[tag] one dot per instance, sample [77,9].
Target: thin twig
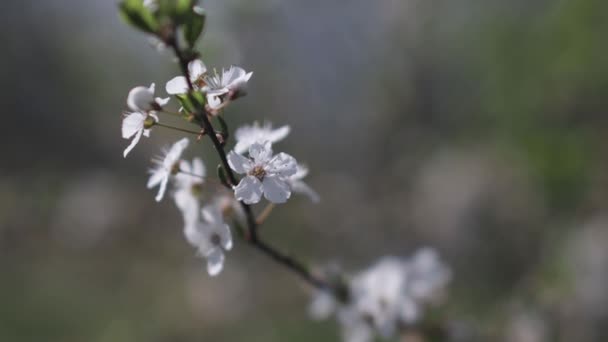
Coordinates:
[177,128]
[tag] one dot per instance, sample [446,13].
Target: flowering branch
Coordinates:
[385,299]
[252,236]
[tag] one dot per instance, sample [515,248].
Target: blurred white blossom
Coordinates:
[188,184]
[166,165]
[390,294]
[298,186]
[211,236]
[247,135]
[264,174]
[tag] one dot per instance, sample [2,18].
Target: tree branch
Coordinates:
[252,227]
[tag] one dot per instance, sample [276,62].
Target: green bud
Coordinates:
[137,15]
[149,122]
[194,25]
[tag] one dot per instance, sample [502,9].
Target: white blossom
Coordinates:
[188,183]
[379,294]
[264,174]
[179,85]
[142,99]
[354,326]
[134,125]
[298,186]
[166,165]
[249,134]
[388,295]
[233,81]
[211,236]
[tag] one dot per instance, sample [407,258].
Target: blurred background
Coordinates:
[476,127]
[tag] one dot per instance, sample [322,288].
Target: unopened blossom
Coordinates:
[231,82]
[142,99]
[136,124]
[298,186]
[179,85]
[188,184]
[211,236]
[166,166]
[264,174]
[249,134]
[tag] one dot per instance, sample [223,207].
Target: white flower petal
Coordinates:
[300,187]
[198,167]
[225,236]
[279,133]
[193,234]
[215,261]
[322,306]
[212,214]
[196,68]
[276,190]
[233,74]
[177,85]
[238,163]
[161,189]
[132,123]
[132,144]
[188,204]
[261,152]
[156,177]
[249,190]
[162,102]
[283,164]
[141,98]
[214,101]
[175,152]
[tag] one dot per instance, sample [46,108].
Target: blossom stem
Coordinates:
[170,112]
[177,128]
[265,213]
[251,233]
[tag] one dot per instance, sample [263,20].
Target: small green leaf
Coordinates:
[177,10]
[185,101]
[200,99]
[194,26]
[139,16]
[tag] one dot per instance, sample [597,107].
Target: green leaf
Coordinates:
[139,16]
[185,101]
[194,26]
[200,99]
[176,10]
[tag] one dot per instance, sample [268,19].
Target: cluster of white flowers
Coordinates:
[273,176]
[391,294]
